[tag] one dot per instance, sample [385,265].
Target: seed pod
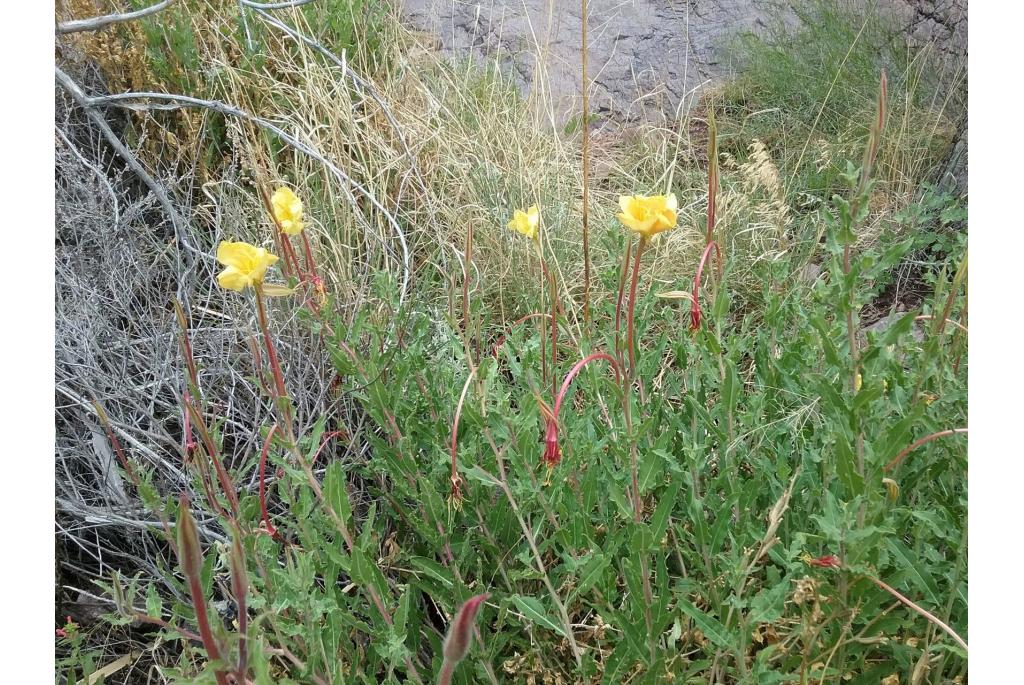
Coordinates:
[190,555]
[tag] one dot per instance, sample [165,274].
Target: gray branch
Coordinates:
[137,101]
[96,23]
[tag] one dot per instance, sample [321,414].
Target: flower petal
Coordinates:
[233,279]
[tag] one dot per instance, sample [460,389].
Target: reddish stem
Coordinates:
[323,443]
[576,369]
[310,262]
[275,365]
[289,253]
[917,443]
[618,300]
[712,180]
[191,562]
[695,312]
[190,443]
[925,613]
[127,466]
[211,449]
[263,484]
[631,343]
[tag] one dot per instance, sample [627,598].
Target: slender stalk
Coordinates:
[310,262]
[630,337]
[465,281]
[712,174]
[586,170]
[282,403]
[211,449]
[263,483]
[240,588]
[917,443]
[870,154]
[190,557]
[923,612]
[104,420]
[623,274]
[695,311]
[456,480]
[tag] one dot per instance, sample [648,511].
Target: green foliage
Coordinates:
[807,90]
[748,462]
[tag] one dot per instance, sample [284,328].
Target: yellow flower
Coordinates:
[648,216]
[246,265]
[287,210]
[526,222]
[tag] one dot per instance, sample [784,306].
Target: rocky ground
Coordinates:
[647,58]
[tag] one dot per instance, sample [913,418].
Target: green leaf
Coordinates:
[534,611]
[667,502]
[903,559]
[711,627]
[478,474]
[433,569]
[336,491]
[154,606]
[846,468]
[592,572]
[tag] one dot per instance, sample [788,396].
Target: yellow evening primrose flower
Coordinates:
[287,210]
[526,222]
[648,216]
[246,264]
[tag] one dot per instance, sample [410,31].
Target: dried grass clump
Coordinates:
[118,269]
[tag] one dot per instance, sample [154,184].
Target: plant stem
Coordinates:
[917,443]
[624,273]
[630,337]
[586,171]
[263,483]
[282,403]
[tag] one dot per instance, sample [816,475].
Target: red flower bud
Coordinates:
[828,561]
[552,452]
[456,644]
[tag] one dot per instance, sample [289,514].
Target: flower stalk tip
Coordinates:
[456,644]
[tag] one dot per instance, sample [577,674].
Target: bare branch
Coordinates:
[105,20]
[273,5]
[136,101]
[82,100]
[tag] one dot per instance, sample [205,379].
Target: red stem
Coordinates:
[618,300]
[289,252]
[310,262]
[632,305]
[695,313]
[211,449]
[263,484]
[576,369]
[196,590]
[323,443]
[917,443]
[275,365]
